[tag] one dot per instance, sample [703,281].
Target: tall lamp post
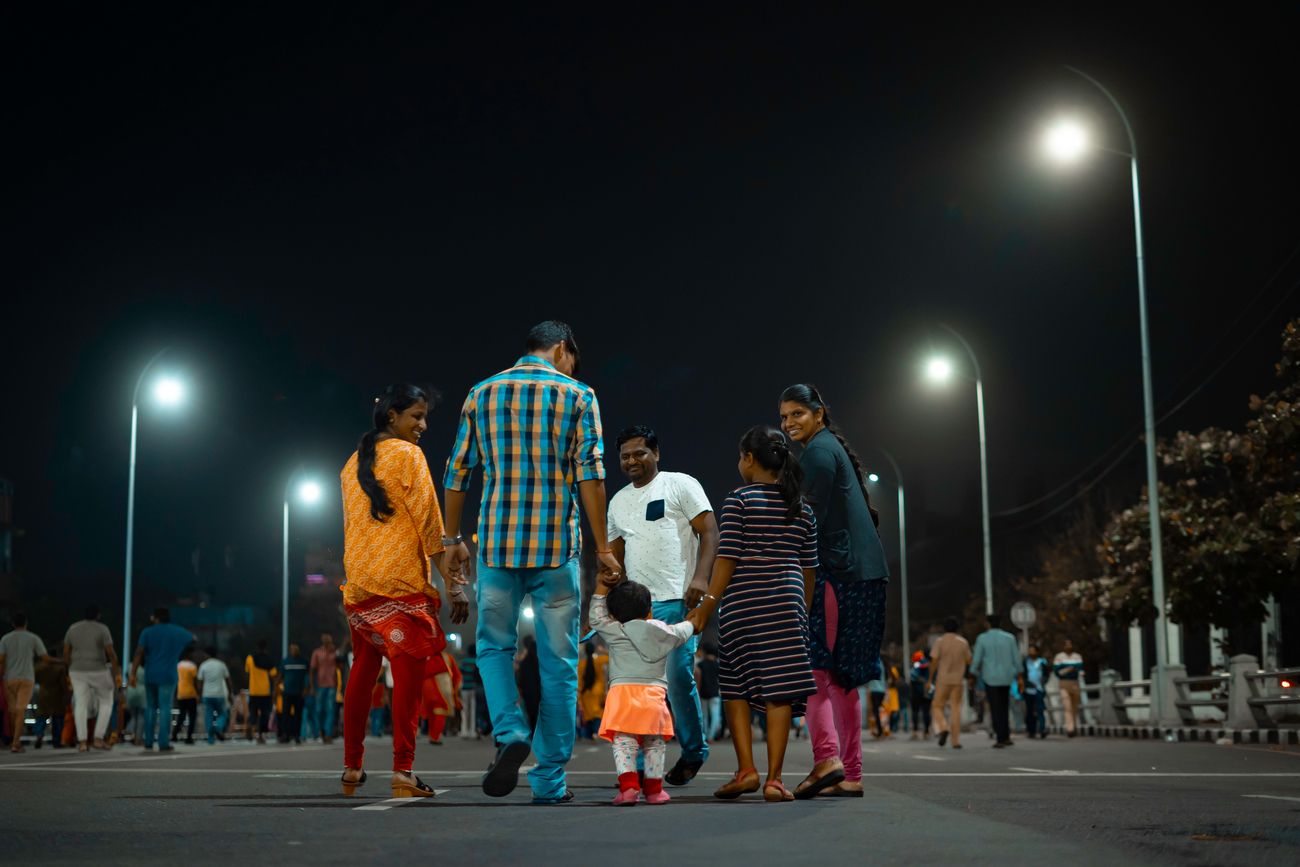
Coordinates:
[902,550]
[940,370]
[167,391]
[309,493]
[1067,141]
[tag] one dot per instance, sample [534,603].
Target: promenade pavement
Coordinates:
[1059,802]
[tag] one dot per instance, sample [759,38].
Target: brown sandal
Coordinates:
[411,786]
[744,782]
[350,786]
[775,792]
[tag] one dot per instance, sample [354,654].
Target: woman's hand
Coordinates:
[454,565]
[459,606]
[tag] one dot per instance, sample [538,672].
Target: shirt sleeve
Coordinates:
[422,500]
[598,617]
[586,452]
[612,530]
[40,647]
[978,659]
[464,452]
[691,499]
[731,528]
[808,556]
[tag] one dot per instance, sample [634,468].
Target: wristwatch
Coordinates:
[448,541]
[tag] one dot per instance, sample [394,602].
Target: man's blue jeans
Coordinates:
[1034,722]
[323,700]
[216,713]
[683,697]
[158,713]
[555,601]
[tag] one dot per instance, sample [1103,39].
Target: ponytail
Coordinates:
[809,397]
[772,452]
[396,398]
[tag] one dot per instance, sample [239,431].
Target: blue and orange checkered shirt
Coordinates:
[536,433]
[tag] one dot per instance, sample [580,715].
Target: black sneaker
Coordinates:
[682,772]
[550,802]
[503,774]
[167,749]
[148,748]
[943,738]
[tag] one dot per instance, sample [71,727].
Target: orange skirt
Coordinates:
[636,709]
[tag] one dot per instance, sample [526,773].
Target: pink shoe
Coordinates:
[627,798]
[659,797]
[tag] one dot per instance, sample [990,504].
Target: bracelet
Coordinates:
[608,551]
[709,596]
[449,541]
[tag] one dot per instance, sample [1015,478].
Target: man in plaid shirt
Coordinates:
[535,431]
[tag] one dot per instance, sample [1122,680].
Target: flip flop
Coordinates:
[835,792]
[811,786]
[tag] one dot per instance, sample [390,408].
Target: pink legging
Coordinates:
[834,713]
[408,678]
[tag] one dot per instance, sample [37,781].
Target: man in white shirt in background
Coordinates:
[215,691]
[95,674]
[1068,668]
[662,529]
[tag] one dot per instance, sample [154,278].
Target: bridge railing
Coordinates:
[1264,692]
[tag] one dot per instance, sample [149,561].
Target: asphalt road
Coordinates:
[1082,801]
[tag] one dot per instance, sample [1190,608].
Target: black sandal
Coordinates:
[350,786]
[417,788]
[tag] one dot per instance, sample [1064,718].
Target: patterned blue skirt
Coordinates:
[860,630]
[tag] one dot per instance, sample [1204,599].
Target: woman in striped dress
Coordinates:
[762,584]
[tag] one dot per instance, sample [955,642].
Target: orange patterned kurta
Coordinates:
[388,597]
[391,557]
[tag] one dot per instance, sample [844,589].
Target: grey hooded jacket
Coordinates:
[638,649]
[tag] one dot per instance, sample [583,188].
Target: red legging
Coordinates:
[408,677]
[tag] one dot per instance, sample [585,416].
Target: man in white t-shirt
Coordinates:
[215,691]
[662,529]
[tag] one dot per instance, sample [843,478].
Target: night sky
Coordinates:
[305,207]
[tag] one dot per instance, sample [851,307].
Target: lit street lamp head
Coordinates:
[872,477]
[309,492]
[938,370]
[168,391]
[1065,141]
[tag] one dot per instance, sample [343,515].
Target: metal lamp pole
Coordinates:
[902,553]
[984,468]
[130,516]
[1148,404]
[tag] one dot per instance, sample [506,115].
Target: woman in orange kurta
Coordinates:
[391,527]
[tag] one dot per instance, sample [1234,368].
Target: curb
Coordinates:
[1284,737]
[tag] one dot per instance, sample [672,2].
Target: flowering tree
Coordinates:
[1230,513]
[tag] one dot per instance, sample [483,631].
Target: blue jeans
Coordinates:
[158,713]
[216,713]
[555,601]
[377,722]
[1034,721]
[683,697]
[713,708]
[323,700]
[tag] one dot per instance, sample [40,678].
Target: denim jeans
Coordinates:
[323,700]
[158,713]
[555,604]
[216,713]
[683,697]
[713,717]
[1034,722]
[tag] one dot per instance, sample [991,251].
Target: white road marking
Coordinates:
[1273,797]
[1048,773]
[395,802]
[124,756]
[443,774]
[930,758]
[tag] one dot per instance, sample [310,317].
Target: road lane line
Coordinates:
[144,757]
[1273,797]
[474,775]
[395,802]
[930,758]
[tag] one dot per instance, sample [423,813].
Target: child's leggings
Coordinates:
[626,747]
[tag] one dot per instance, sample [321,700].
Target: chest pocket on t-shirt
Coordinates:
[654,510]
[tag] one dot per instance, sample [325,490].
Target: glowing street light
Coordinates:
[940,370]
[1065,141]
[872,477]
[309,494]
[167,391]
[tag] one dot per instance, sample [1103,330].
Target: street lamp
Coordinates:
[167,391]
[1068,142]
[309,494]
[940,370]
[902,550]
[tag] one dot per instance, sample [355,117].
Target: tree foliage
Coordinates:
[1230,518]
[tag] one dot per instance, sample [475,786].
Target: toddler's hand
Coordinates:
[698,620]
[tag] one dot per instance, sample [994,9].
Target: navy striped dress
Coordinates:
[762,621]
